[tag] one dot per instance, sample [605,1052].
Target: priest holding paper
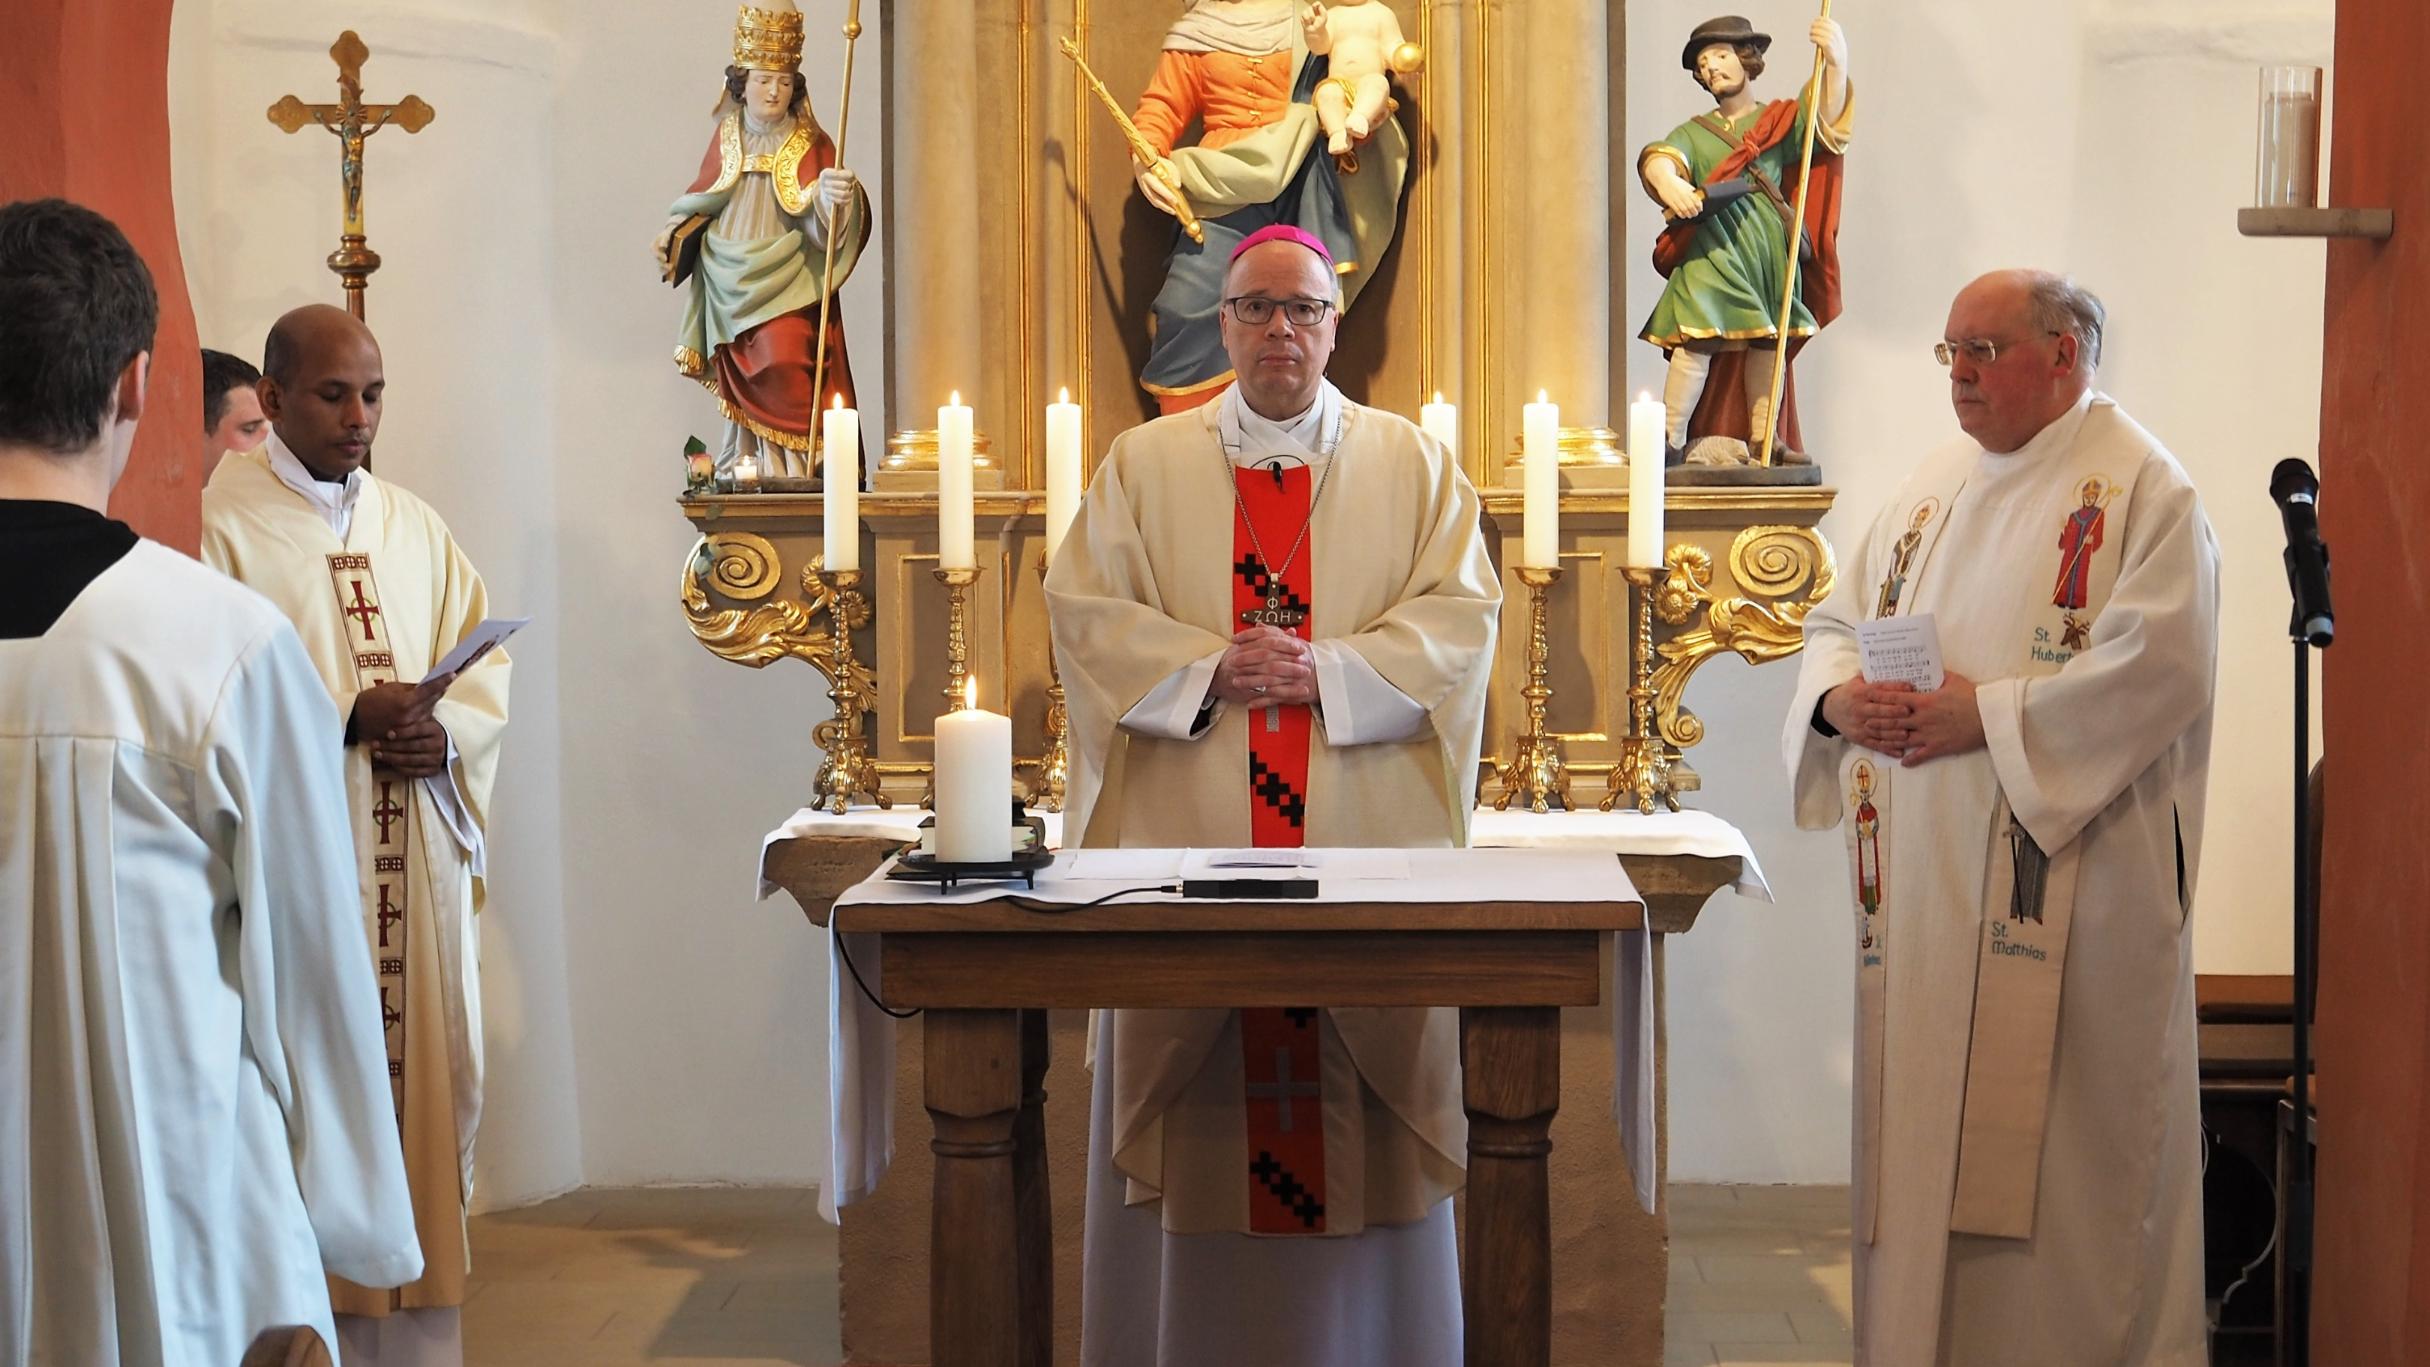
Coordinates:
[380,593]
[2023,843]
[1308,668]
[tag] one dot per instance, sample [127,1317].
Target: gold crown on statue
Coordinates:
[768,39]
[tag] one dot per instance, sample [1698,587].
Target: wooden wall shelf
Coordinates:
[2375,224]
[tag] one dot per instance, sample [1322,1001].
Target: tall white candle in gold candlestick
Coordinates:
[1540,463]
[954,484]
[840,506]
[1645,482]
[1441,422]
[974,784]
[1063,461]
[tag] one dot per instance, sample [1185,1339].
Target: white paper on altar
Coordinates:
[1127,866]
[1328,865]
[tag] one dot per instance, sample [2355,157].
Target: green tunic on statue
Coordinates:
[1729,286]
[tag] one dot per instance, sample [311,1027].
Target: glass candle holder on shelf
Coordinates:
[2286,154]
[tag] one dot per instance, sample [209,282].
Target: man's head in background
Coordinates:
[232,407]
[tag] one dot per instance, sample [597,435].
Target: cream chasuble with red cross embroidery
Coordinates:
[1278,1122]
[385,604]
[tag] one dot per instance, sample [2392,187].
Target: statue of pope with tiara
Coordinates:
[747,242]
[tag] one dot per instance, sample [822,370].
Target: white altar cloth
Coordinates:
[861,1038]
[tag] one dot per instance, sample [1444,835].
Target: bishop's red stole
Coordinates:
[1281,1063]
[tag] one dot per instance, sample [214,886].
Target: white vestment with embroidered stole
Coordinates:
[385,602]
[2028,1180]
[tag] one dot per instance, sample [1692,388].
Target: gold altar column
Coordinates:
[1554,143]
[932,216]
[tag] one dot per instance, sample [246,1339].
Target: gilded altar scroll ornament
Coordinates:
[745,567]
[1770,563]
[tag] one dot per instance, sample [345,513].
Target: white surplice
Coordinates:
[2098,716]
[194,1105]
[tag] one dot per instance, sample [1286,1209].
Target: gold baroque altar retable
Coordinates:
[1742,568]
[1018,257]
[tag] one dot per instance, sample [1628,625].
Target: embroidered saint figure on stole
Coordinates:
[2079,537]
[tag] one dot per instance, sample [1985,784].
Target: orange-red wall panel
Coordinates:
[84,100]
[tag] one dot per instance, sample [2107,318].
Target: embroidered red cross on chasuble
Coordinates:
[1280,1060]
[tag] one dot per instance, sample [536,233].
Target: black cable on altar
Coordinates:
[1041,908]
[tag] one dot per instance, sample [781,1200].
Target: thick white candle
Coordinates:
[841,505]
[954,510]
[1442,422]
[974,785]
[746,475]
[1062,470]
[1540,456]
[1645,482]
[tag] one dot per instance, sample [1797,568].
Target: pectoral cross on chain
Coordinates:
[352,121]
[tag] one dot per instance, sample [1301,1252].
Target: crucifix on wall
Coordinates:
[352,121]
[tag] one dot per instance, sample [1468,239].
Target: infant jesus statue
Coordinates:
[1363,39]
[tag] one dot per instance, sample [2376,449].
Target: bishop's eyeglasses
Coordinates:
[1980,350]
[1256,310]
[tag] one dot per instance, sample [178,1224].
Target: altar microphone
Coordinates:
[2296,491]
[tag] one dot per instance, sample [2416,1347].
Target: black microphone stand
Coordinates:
[2310,626]
[2296,1248]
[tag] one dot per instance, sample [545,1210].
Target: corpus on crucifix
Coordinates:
[353,122]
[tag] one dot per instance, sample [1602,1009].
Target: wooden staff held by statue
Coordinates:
[1797,230]
[843,130]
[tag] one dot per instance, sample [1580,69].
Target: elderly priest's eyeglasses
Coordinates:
[1255,310]
[1980,350]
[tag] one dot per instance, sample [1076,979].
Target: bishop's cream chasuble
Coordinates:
[385,604]
[2027,1159]
[194,1120]
[1213,1124]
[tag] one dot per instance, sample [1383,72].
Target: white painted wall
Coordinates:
[700,1017]
[647,1020]
[2111,140]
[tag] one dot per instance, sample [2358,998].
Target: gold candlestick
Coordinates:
[957,653]
[847,771]
[957,635]
[1535,773]
[1055,768]
[1644,771]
